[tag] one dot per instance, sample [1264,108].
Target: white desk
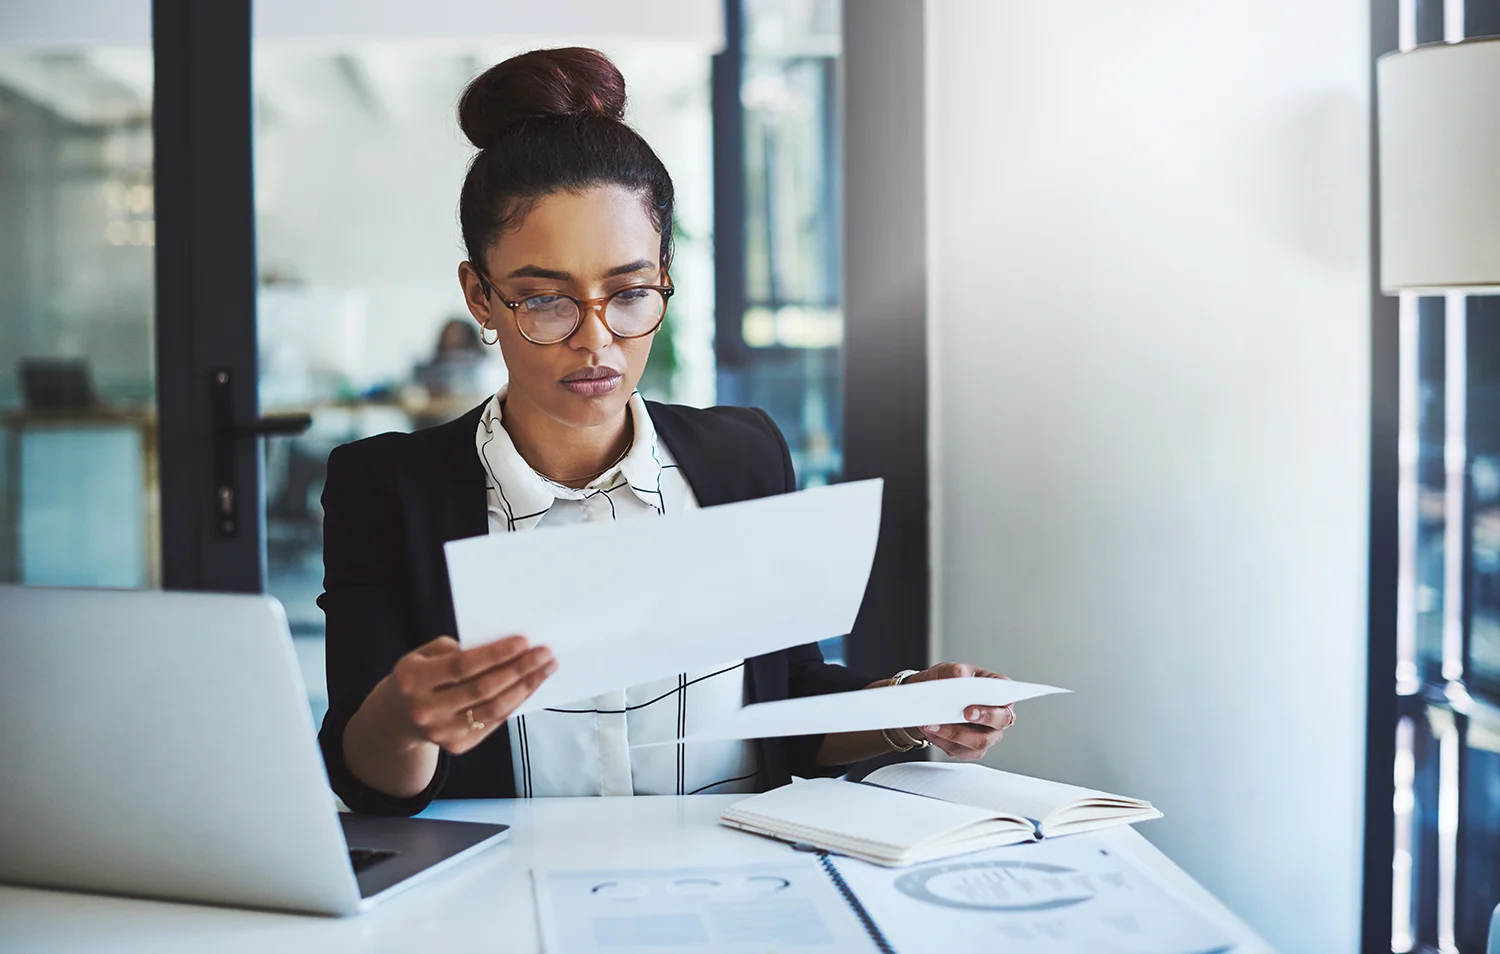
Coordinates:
[483,905]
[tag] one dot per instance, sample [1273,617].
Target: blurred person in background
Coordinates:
[455,361]
[459,373]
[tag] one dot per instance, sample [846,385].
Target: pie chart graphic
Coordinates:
[999,886]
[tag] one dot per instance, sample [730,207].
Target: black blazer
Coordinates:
[390,504]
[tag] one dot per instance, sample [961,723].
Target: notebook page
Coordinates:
[992,789]
[848,811]
[1075,821]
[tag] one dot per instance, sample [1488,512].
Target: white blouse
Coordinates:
[584,748]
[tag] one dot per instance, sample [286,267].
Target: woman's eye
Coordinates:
[544,301]
[632,294]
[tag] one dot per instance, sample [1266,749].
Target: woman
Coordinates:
[566,217]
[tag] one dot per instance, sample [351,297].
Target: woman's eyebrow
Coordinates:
[537,271]
[639,265]
[552,274]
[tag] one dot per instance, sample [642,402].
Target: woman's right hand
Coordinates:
[441,693]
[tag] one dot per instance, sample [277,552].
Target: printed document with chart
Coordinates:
[1073,895]
[777,907]
[625,603]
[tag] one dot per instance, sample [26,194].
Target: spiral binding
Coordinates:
[851,899]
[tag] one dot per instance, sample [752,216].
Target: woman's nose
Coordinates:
[592,333]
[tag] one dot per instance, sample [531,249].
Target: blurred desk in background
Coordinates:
[84,495]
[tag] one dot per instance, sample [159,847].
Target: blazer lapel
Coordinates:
[459,513]
[462,513]
[719,468]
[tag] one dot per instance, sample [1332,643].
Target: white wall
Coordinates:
[1149,226]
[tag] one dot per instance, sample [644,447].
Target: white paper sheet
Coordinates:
[760,908]
[1073,895]
[624,603]
[936,702]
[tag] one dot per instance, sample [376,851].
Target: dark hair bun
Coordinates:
[543,84]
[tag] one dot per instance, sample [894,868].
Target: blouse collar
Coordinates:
[525,493]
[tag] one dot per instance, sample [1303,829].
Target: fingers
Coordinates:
[951,670]
[987,674]
[965,743]
[968,741]
[441,646]
[444,665]
[438,684]
[508,700]
[458,734]
[481,688]
[964,735]
[951,748]
[994,717]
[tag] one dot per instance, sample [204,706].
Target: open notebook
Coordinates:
[922,811]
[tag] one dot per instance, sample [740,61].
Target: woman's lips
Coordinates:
[592,382]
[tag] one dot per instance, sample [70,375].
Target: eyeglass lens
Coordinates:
[629,313]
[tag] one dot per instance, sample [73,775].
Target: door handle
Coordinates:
[273,425]
[227,435]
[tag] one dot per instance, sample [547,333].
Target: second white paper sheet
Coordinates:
[621,604]
[936,702]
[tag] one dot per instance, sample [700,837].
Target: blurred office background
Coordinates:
[358,159]
[1149,309]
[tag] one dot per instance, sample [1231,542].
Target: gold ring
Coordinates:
[474,724]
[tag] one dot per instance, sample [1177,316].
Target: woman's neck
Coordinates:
[570,455]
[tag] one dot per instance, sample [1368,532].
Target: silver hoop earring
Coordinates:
[483,329]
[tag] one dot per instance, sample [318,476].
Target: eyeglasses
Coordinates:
[631,312]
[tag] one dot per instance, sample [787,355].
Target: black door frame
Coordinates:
[885,320]
[205,294]
[1380,704]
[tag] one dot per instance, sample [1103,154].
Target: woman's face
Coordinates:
[588,245]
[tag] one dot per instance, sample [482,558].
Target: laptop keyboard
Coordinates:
[363,859]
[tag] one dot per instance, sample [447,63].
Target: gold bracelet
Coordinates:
[895,745]
[914,743]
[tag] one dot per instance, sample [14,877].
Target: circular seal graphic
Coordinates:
[998,886]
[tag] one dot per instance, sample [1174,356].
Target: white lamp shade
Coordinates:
[1440,167]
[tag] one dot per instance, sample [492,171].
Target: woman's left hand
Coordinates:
[966,741]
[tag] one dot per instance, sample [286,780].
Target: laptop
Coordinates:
[161,745]
[57,384]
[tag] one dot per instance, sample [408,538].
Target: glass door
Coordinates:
[79,493]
